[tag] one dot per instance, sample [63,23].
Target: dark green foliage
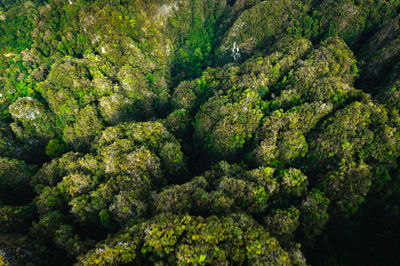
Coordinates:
[259,26]
[14,218]
[16,25]
[55,148]
[314,215]
[105,218]
[195,28]
[201,132]
[14,181]
[283,223]
[195,53]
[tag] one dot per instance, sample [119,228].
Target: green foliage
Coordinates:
[314,215]
[283,223]
[105,218]
[110,188]
[55,148]
[195,26]
[259,25]
[16,217]
[196,53]
[187,239]
[16,25]
[235,123]
[231,239]
[14,181]
[289,144]
[35,120]
[294,183]
[199,132]
[120,250]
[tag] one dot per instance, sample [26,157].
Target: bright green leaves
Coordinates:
[231,239]
[83,96]
[326,75]
[196,53]
[294,182]
[260,195]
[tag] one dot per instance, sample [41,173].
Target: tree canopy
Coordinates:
[199,132]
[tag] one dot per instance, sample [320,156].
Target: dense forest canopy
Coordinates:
[205,132]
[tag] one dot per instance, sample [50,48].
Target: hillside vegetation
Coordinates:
[199,132]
